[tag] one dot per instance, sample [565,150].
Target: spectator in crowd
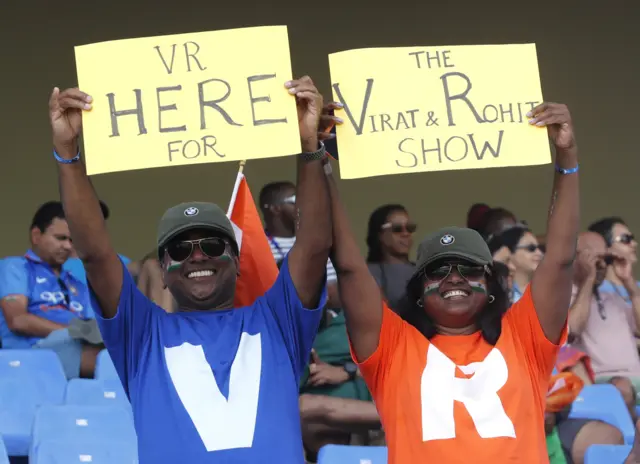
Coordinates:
[464,347]
[178,369]
[335,404]
[476,216]
[502,255]
[39,299]
[602,324]
[74,264]
[389,239]
[496,220]
[622,242]
[278,206]
[525,257]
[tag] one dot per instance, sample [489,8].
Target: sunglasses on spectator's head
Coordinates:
[212,247]
[398,227]
[467,271]
[625,238]
[531,248]
[290,200]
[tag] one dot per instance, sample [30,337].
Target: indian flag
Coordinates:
[258,269]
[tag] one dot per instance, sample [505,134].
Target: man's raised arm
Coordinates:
[81,206]
[308,257]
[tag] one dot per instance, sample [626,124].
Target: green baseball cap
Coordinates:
[194,215]
[452,242]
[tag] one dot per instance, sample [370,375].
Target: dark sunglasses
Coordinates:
[467,271]
[212,247]
[531,248]
[398,228]
[625,238]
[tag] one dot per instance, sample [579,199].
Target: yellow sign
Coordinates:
[437,108]
[186,99]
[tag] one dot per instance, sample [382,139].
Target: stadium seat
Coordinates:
[23,362]
[83,424]
[4,457]
[88,392]
[105,368]
[98,452]
[606,454]
[28,379]
[604,402]
[338,454]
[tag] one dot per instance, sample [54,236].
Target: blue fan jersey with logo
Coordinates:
[56,298]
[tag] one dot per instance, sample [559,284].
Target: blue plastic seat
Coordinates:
[606,454]
[339,454]
[98,452]
[604,402]
[89,392]
[82,424]
[45,363]
[104,367]
[4,457]
[28,379]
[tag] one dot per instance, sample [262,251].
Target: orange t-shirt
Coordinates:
[457,399]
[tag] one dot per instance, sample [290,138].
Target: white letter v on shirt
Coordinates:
[222,424]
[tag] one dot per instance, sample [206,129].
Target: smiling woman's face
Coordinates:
[455,291]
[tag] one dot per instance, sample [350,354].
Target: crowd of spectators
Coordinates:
[46,304]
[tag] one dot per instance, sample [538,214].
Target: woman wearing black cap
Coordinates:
[462,376]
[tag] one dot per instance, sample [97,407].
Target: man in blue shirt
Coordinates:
[39,299]
[209,383]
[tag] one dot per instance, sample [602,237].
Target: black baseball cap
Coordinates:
[452,242]
[194,215]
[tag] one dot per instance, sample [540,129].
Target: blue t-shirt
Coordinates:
[56,298]
[214,386]
[75,267]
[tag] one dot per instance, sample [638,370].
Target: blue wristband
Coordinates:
[567,171]
[59,159]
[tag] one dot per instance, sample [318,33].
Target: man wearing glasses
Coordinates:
[277,202]
[39,299]
[209,383]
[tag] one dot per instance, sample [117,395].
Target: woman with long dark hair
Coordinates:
[462,375]
[389,239]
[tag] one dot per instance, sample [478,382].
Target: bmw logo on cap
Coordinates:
[192,211]
[447,239]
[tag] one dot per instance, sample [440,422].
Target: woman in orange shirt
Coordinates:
[461,376]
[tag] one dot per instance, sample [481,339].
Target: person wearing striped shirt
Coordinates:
[277,202]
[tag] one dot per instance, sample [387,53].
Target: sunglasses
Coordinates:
[625,238]
[398,228]
[467,271]
[212,247]
[531,248]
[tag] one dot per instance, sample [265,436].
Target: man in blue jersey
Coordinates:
[209,383]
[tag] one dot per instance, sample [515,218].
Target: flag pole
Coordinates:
[234,194]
